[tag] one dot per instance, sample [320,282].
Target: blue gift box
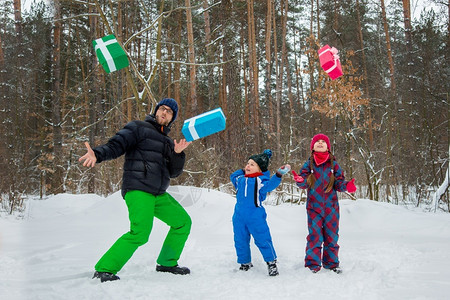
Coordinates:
[203,125]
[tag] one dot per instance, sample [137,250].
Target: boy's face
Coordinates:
[320,146]
[252,167]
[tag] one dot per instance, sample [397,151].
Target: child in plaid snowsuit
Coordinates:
[322,176]
[252,185]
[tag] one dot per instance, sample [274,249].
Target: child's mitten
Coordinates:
[297,177]
[351,188]
[284,169]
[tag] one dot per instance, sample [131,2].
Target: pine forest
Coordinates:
[387,116]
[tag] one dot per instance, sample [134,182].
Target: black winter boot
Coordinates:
[272,267]
[245,267]
[105,276]
[336,270]
[174,270]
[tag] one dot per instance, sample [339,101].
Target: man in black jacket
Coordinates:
[151,159]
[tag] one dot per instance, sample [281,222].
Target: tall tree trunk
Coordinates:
[447,53]
[268,45]
[231,81]
[366,80]
[318,20]
[409,57]
[2,58]
[336,21]
[409,95]
[18,72]
[225,73]
[230,89]
[56,103]
[191,51]
[159,54]
[245,77]
[407,21]
[177,67]
[310,56]
[311,19]
[209,55]
[369,109]
[18,18]
[253,74]
[388,48]
[93,93]
[284,59]
[2,67]
[170,56]
[279,82]
[298,78]
[122,30]
[391,105]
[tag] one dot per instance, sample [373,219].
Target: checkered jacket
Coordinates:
[317,198]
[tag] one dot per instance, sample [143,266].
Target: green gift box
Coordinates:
[110,54]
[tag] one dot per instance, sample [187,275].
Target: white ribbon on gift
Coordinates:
[192,120]
[332,68]
[102,46]
[192,129]
[333,51]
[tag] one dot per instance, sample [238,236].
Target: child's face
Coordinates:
[251,167]
[320,146]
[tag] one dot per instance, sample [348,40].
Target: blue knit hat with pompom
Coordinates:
[262,159]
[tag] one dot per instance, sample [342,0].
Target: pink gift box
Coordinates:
[329,61]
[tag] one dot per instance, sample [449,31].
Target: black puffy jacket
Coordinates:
[150,159]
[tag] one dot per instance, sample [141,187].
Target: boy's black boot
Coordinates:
[105,276]
[174,270]
[245,267]
[272,267]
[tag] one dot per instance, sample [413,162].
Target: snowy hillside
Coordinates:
[387,252]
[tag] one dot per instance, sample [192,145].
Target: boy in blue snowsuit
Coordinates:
[252,185]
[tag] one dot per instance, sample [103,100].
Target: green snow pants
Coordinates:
[142,207]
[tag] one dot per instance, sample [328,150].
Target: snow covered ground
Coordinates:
[387,252]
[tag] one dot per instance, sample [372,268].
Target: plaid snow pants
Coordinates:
[323,227]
